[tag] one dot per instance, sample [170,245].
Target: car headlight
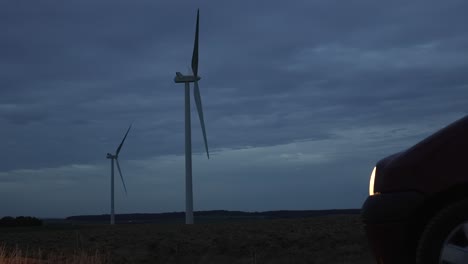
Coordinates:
[372,182]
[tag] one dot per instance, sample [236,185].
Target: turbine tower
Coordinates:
[187,79]
[116,158]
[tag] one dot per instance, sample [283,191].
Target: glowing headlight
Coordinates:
[372,181]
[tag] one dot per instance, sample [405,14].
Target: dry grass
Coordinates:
[17,256]
[318,240]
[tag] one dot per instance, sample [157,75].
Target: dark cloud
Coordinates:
[75,74]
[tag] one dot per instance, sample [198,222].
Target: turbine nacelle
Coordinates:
[110,156]
[180,78]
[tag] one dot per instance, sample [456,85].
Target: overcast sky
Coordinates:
[301,99]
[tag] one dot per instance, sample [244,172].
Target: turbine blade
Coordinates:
[123,140]
[121,177]
[197,96]
[195,48]
[189,71]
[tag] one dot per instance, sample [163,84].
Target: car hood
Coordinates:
[419,152]
[406,164]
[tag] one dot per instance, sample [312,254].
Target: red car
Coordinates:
[417,209]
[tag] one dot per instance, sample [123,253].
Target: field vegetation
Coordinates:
[336,239]
[17,256]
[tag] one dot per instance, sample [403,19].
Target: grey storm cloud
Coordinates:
[75,74]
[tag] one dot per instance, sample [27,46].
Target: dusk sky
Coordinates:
[301,99]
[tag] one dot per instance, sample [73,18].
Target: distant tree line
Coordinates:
[9,221]
[216,214]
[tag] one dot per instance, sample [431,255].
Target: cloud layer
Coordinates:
[285,84]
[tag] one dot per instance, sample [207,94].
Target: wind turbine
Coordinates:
[187,79]
[116,158]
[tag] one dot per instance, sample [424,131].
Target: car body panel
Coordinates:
[391,207]
[409,181]
[433,165]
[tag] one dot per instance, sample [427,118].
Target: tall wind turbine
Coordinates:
[116,158]
[187,79]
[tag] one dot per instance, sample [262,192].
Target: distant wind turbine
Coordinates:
[116,158]
[187,79]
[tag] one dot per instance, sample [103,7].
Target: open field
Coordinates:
[337,239]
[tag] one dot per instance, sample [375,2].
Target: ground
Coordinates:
[336,239]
